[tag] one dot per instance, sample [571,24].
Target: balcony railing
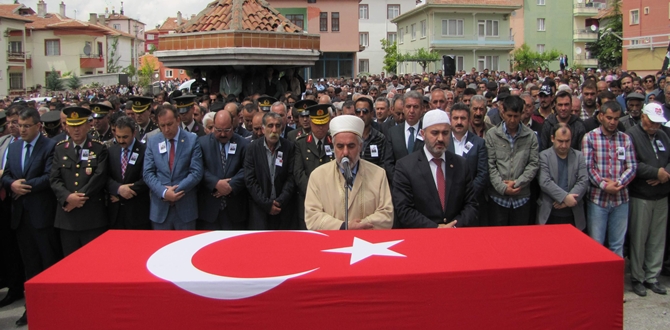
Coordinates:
[90,56]
[585,9]
[16,56]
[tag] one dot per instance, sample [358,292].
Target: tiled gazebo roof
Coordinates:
[240,15]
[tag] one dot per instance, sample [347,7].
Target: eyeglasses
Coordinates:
[219,130]
[363,110]
[25,126]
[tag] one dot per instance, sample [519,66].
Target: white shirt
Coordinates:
[188,127]
[459,146]
[433,166]
[416,132]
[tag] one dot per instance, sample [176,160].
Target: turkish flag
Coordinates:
[503,278]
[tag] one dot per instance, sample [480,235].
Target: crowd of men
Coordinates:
[425,151]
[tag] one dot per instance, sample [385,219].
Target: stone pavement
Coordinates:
[650,312]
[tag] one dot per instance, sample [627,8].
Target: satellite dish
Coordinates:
[578,50]
[87,48]
[594,27]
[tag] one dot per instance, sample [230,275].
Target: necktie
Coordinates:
[26,157]
[15,139]
[318,147]
[77,149]
[440,179]
[172,149]
[124,163]
[410,140]
[141,132]
[223,164]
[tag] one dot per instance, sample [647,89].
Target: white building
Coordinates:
[374,24]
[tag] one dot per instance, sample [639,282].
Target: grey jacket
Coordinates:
[520,164]
[578,182]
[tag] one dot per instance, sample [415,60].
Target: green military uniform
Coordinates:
[140,105]
[101,110]
[301,107]
[79,169]
[308,155]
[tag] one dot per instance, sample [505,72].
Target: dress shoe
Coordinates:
[12,296]
[639,289]
[656,288]
[23,320]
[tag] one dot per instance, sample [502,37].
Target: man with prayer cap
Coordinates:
[432,188]
[370,204]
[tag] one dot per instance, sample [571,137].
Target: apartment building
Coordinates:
[646,34]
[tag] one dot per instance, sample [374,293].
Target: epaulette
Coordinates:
[61,142]
[97,141]
[301,137]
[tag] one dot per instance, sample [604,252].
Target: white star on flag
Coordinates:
[362,249]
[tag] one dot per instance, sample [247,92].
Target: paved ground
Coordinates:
[650,312]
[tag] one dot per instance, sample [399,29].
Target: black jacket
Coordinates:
[648,163]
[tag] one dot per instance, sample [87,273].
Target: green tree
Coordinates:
[152,49]
[131,71]
[421,56]
[74,83]
[608,47]
[53,82]
[113,59]
[525,58]
[390,56]
[146,71]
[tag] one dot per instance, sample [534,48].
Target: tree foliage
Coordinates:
[608,47]
[131,71]
[525,58]
[74,83]
[113,59]
[152,49]
[421,56]
[146,71]
[390,56]
[53,82]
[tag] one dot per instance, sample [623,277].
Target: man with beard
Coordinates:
[546,103]
[478,125]
[433,187]
[634,103]
[626,88]
[370,203]
[589,106]
[305,126]
[563,115]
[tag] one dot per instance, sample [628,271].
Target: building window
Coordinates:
[402,36]
[452,27]
[100,52]
[117,26]
[646,10]
[459,63]
[150,37]
[168,73]
[297,19]
[392,11]
[52,47]
[413,31]
[540,24]
[635,42]
[363,11]
[488,28]
[335,21]
[363,65]
[15,80]
[487,62]
[540,48]
[364,39]
[540,2]
[423,28]
[323,22]
[15,47]
[634,16]
[391,37]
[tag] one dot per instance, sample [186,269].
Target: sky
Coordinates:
[149,12]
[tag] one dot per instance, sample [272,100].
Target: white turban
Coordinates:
[434,117]
[347,123]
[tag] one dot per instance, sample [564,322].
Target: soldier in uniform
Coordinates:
[304,127]
[311,151]
[102,131]
[51,123]
[141,109]
[265,103]
[78,178]
[186,106]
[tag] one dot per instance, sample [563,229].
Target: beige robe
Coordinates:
[369,200]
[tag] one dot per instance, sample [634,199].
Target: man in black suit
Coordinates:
[406,138]
[432,188]
[281,109]
[268,173]
[129,194]
[26,177]
[473,149]
[396,115]
[222,196]
[186,105]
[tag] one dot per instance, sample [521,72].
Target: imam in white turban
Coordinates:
[347,123]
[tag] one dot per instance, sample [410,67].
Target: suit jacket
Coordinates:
[186,174]
[142,137]
[198,129]
[477,158]
[128,213]
[259,185]
[36,174]
[237,200]
[398,141]
[415,197]
[578,182]
[70,174]
[387,124]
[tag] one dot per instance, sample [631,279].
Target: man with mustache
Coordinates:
[432,188]
[478,124]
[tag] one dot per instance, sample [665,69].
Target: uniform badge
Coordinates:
[89,171]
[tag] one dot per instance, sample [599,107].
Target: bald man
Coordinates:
[222,197]
[234,110]
[257,125]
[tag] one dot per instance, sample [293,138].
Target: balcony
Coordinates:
[585,10]
[91,61]
[16,57]
[478,43]
[586,61]
[585,35]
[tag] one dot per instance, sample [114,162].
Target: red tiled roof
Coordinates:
[250,15]
[11,12]
[113,31]
[170,24]
[119,16]
[56,21]
[476,2]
